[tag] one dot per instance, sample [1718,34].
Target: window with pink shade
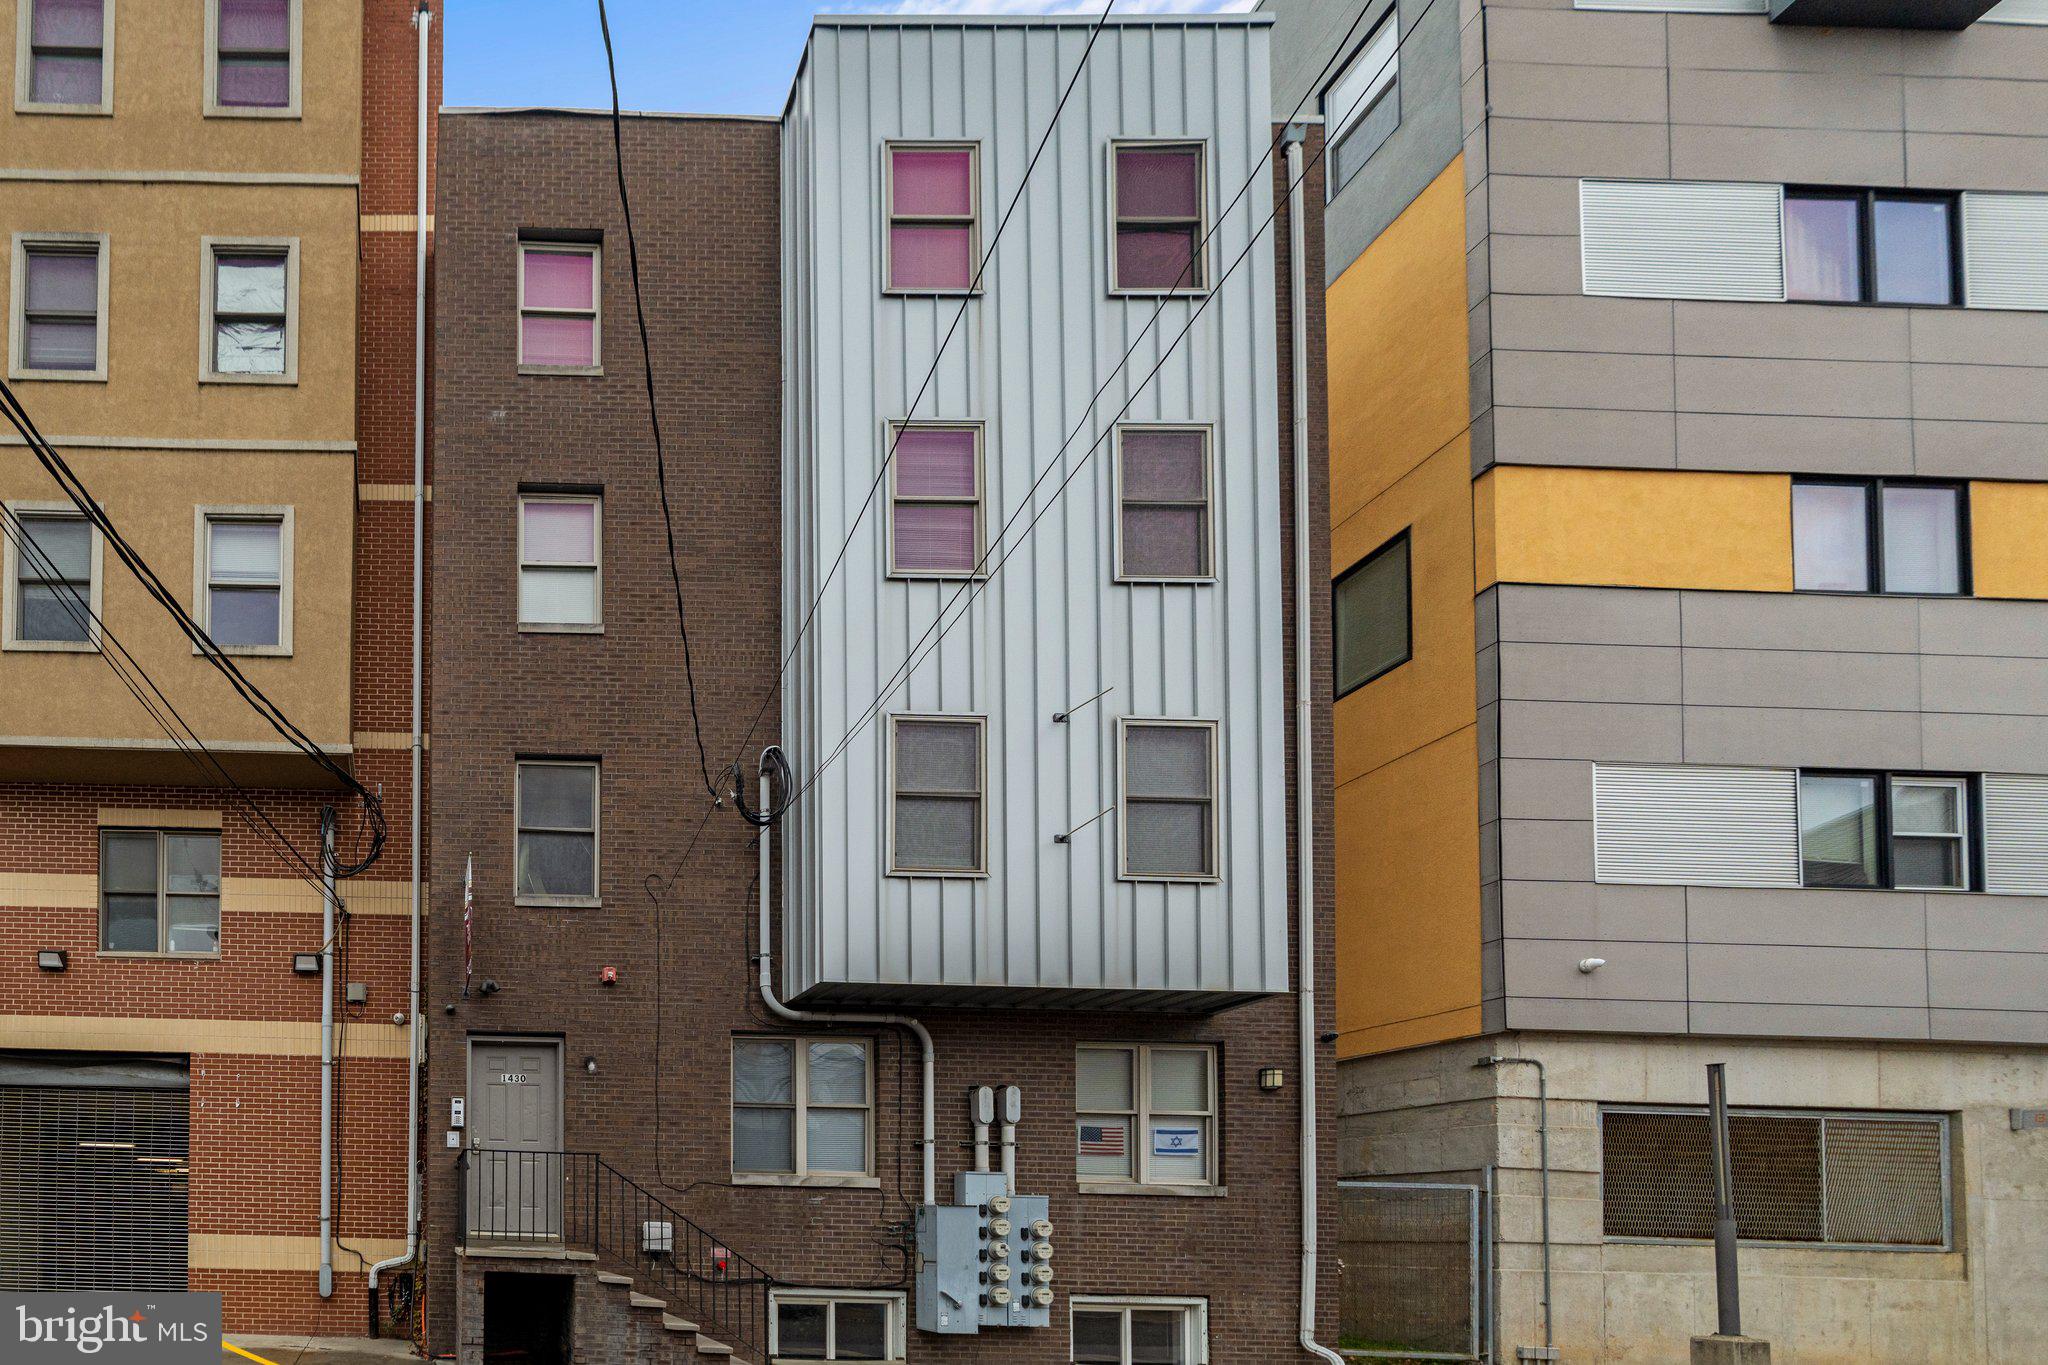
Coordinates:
[559,586]
[935,503]
[934,239]
[252,56]
[1159,200]
[558,307]
[67,55]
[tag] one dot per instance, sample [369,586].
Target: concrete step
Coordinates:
[707,1347]
[639,1300]
[676,1324]
[617,1281]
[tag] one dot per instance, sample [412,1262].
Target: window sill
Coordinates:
[250,651]
[93,376]
[903,291]
[71,110]
[1112,1187]
[809,1182]
[122,954]
[586,371]
[51,647]
[1166,580]
[253,111]
[560,628]
[936,576]
[559,902]
[935,874]
[264,380]
[1190,292]
[1170,879]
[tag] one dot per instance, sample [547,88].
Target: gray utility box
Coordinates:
[948,1269]
[986,1260]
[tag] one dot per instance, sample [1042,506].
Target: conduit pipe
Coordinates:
[422,22]
[1304,747]
[903,1021]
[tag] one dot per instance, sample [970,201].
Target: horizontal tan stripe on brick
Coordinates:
[227,1251]
[246,1037]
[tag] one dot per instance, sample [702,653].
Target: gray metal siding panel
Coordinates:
[1682,240]
[1696,825]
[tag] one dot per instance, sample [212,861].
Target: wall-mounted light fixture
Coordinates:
[590,1065]
[306,964]
[1271,1078]
[52,959]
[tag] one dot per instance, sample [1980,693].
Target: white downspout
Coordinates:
[327,918]
[775,1006]
[422,20]
[1304,748]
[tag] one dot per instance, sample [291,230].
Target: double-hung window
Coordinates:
[60,307]
[251,302]
[1168,800]
[245,557]
[1876,246]
[1163,481]
[1879,535]
[252,55]
[801,1107]
[1362,107]
[1159,200]
[53,594]
[836,1325]
[160,891]
[560,326]
[66,56]
[1145,1114]
[1912,832]
[935,503]
[934,238]
[936,775]
[559,579]
[557,820]
[1144,1331]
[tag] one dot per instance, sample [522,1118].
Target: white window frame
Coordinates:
[980,500]
[24,65]
[596,503]
[1141,1116]
[1125,724]
[1194,1319]
[893,1300]
[1386,79]
[17,309]
[203,519]
[1961,838]
[10,609]
[212,247]
[1209,546]
[546,246]
[1204,227]
[596,896]
[890,218]
[980,724]
[799,1105]
[210,93]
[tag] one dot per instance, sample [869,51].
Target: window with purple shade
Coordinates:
[935,501]
[1823,247]
[558,307]
[252,55]
[67,57]
[1163,493]
[60,309]
[934,239]
[1158,193]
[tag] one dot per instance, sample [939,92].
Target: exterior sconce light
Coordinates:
[52,959]
[306,964]
[1271,1079]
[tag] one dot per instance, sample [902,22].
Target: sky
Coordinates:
[695,56]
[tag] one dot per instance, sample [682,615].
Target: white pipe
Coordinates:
[981,1147]
[1304,749]
[423,21]
[327,1052]
[1010,1158]
[775,1006]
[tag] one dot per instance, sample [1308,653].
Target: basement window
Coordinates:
[160,892]
[801,1108]
[1144,1331]
[836,1325]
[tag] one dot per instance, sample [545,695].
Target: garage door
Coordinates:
[94,1172]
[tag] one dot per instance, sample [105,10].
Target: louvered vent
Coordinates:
[2016,835]
[1694,825]
[2005,249]
[1663,239]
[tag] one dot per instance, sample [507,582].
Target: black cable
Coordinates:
[668,524]
[657,898]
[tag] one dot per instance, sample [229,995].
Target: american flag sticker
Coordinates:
[1102,1139]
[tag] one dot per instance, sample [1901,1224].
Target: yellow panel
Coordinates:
[1636,528]
[230,1251]
[255,1037]
[2008,547]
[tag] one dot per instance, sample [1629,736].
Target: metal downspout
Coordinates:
[327,923]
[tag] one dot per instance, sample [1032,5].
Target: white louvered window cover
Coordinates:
[2015,835]
[1674,239]
[1691,825]
[2005,249]
[2018,12]
[1682,6]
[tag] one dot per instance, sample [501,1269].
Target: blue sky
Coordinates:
[699,56]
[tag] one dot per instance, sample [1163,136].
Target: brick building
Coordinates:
[242,172]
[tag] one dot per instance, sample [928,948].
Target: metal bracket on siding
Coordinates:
[1060,717]
[1068,837]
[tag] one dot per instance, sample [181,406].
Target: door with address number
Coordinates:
[515,1138]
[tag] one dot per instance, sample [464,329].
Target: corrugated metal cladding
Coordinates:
[1049,923]
[2016,834]
[1695,825]
[2005,250]
[1665,239]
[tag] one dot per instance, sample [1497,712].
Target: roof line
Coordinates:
[603,113]
[1186,20]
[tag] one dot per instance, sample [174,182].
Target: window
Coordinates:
[935,517]
[1145,1115]
[1877,535]
[244,573]
[1370,616]
[557,804]
[53,595]
[559,584]
[936,816]
[60,309]
[251,298]
[1362,107]
[934,240]
[252,66]
[1870,247]
[1844,1179]
[839,1325]
[65,57]
[1159,197]
[800,1108]
[1163,523]
[1168,779]
[559,322]
[1141,1332]
[1910,832]
[160,891]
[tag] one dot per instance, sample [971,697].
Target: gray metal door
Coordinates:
[515,1136]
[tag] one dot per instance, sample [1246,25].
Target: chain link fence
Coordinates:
[1413,1261]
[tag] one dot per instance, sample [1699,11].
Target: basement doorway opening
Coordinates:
[527,1318]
